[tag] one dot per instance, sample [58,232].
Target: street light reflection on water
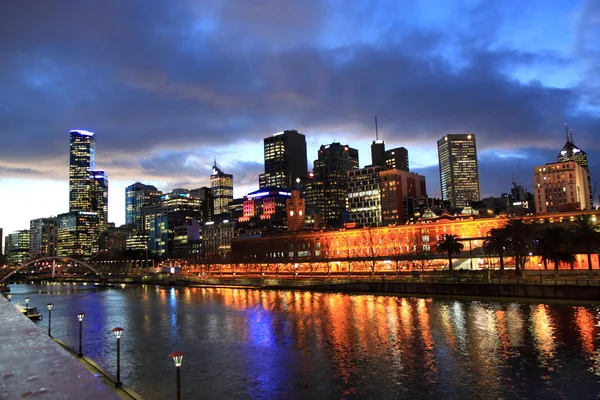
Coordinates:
[289,344]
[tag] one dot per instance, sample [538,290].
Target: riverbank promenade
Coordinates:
[33,365]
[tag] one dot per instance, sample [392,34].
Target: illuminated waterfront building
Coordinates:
[285,159]
[364,200]
[137,196]
[327,188]
[217,237]
[459,174]
[99,187]
[16,247]
[42,237]
[264,210]
[561,186]
[77,234]
[570,152]
[82,160]
[221,185]
[396,186]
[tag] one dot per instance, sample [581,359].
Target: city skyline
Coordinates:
[170,91]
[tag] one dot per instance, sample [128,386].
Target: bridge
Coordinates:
[67,260]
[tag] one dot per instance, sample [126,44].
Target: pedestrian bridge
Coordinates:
[53,264]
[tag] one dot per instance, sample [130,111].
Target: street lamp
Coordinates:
[80,318]
[9,296]
[27,305]
[177,357]
[49,306]
[118,333]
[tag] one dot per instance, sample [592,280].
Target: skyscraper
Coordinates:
[397,159]
[222,189]
[137,196]
[331,181]
[82,160]
[378,153]
[99,188]
[561,186]
[459,174]
[285,159]
[42,234]
[570,152]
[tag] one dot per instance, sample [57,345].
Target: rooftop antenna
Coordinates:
[567,132]
[571,135]
[376,130]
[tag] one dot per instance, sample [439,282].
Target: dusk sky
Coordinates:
[168,86]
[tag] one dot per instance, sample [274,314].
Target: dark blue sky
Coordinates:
[167,86]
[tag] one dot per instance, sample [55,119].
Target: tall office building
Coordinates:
[378,152]
[330,180]
[459,174]
[137,196]
[561,186]
[570,152]
[285,160]
[222,189]
[397,159]
[42,234]
[16,247]
[364,199]
[99,188]
[82,160]
[395,187]
[77,234]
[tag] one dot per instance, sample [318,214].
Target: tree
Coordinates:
[520,241]
[450,245]
[554,245]
[422,251]
[585,232]
[496,243]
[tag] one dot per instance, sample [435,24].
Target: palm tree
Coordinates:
[554,245]
[586,232]
[450,245]
[520,241]
[496,243]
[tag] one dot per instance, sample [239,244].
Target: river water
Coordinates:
[264,344]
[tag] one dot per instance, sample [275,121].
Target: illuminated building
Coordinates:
[99,189]
[77,234]
[137,196]
[296,212]
[459,174]
[397,159]
[16,247]
[42,234]
[113,240]
[221,185]
[264,210]
[327,187]
[414,208]
[187,240]
[82,160]
[395,186]
[364,200]
[207,201]
[561,186]
[570,152]
[285,159]
[217,237]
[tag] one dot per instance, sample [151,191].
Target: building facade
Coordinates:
[221,185]
[217,238]
[570,152]
[397,159]
[77,234]
[396,186]
[82,160]
[364,200]
[16,247]
[137,196]
[327,188]
[42,237]
[459,173]
[285,160]
[99,182]
[561,186]
[296,211]
[264,210]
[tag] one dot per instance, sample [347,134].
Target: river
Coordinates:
[267,344]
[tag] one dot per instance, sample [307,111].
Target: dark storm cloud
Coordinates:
[168,84]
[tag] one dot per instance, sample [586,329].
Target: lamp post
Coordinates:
[80,318]
[9,296]
[118,333]
[177,357]
[26,305]
[49,306]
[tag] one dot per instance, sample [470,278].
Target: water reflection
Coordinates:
[297,345]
